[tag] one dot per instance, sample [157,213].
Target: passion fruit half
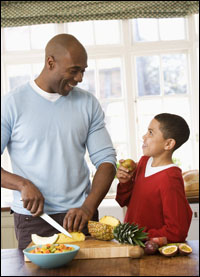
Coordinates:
[169,251]
[184,249]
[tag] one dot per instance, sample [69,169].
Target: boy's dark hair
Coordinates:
[173,126]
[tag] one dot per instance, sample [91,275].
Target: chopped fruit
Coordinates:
[76,236]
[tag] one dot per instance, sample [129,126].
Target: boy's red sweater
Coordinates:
[157,202]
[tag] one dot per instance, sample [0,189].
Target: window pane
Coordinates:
[148,77]
[183,156]
[182,109]
[145,29]
[83,31]
[172,28]
[121,150]
[174,74]
[107,31]
[17,38]
[148,106]
[88,82]
[37,68]
[18,74]
[41,34]
[115,120]
[110,78]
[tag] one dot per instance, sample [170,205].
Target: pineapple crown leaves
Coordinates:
[130,234]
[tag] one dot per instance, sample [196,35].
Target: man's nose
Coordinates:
[79,77]
[143,137]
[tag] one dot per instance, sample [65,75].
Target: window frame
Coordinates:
[127,50]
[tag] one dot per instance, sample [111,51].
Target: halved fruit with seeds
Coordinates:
[169,251]
[184,249]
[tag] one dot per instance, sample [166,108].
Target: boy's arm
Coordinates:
[124,192]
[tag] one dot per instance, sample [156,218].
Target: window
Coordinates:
[136,68]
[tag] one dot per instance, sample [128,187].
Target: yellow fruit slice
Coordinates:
[170,251]
[76,236]
[184,249]
[110,220]
[44,240]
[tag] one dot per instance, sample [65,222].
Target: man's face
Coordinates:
[68,72]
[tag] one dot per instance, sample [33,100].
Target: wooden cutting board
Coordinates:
[98,249]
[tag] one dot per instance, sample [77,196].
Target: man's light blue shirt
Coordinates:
[47,142]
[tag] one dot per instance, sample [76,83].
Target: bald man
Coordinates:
[47,125]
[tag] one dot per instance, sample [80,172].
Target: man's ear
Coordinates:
[170,143]
[50,62]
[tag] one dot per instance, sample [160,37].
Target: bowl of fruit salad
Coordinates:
[51,255]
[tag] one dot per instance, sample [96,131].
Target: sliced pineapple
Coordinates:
[76,236]
[110,220]
[100,230]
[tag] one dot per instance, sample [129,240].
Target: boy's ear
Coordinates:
[170,143]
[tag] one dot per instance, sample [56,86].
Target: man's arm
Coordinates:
[32,198]
[76,218]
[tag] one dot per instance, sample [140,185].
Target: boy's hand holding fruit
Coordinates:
[125,170]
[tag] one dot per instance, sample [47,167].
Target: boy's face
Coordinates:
[153,141]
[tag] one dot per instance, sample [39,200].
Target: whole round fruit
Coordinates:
[129,164]
[169,251]
[161,241]
[151,247]
[184,249]
[136,252]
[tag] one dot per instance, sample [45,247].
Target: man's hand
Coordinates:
[123,174]
[76,219]
[32,198]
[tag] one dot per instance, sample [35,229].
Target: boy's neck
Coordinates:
[161,160]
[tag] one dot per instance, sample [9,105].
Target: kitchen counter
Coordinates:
[12,264]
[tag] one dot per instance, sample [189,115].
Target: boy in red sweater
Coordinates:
[154,192]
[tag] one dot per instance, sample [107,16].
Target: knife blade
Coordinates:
[55,224]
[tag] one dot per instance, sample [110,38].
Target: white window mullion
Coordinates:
[130,91]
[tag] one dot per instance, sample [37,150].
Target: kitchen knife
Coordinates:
[55,224]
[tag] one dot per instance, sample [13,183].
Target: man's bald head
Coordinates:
[59,45]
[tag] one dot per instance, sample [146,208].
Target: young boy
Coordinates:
[154,192]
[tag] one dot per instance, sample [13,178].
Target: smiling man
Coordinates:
[64,66]
[47,125]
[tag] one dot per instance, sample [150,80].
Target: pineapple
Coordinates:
[109,227]
[76,236]
[130,233]
[100,230]
[110,220]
